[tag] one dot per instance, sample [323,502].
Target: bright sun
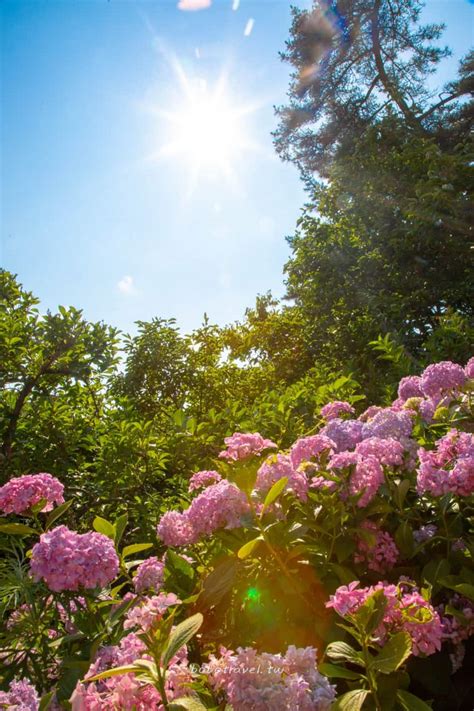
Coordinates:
[206,129]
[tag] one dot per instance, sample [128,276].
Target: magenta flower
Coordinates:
[20,494]
[336,408]
[149,575]
[308,448]
[448,468]
[344,433]
[21,696]
[439,378]
[67,560]
[243,446]
[202,479]
[149,611]
[277,467]
[410,387]
[382,554]
[388,451]
[469,369]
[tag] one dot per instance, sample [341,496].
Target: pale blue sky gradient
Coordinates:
[87,217]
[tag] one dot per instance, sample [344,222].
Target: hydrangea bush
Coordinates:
[337,574]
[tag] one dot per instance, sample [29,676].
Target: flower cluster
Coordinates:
[20,494]
[441,378]
[307,448]
[202,479]
[242,446]
[266,682]
[149,611]
[389,423]
[149,575]
[276,467]
[365,478]
[222,505]
[381,553]
[406,611]
[410,386]
[388,451]
[448,468]
[344,433]
[125,691]
[21,696]
[336,408]
[67,560]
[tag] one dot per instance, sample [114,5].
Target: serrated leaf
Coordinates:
[181,634]
[274,493]
[56,513]
[101,525]
[393,654]
[411,702]
[248,547]
[136,548]
[352,701]
[17,529]
[344,651]
[333,671]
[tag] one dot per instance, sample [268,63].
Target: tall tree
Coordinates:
[355,63]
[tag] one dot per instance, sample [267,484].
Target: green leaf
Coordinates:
[39,506]
[187,703]
[393,654]
[248,547]
[401,491]
[411,702]
[465,589]
[45,701]
[56,513]
[17,529]
[404,539]
[435,571]
[344,651]
[333,671]
[218,583]
[116,671]
[120,526]
[274,493]
[101,525]
[352,701]
[136,548]
[181,634]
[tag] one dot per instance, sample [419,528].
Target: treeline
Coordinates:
[379,284]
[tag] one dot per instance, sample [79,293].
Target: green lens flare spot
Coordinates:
[253,595]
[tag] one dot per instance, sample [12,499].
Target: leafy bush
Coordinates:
[334,574]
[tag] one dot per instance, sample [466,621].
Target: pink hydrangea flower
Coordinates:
[221,505]
[202,479]
[21,696]
[266,682]
[410,387]
[365,478]
[125,691]
[175,529]
[405,611]
[448,468]
[382,554]
[389,423]
[469,369]
[344,433]
[307,448]
[337,408]
[67,560]
[388,451]
[20,494]
[149,575]
[443,377]
[243,446]
[369,413]
[149,611]
[277,467]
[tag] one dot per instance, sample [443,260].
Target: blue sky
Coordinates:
[91,213]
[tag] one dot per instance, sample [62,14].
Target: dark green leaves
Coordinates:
[393,653]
